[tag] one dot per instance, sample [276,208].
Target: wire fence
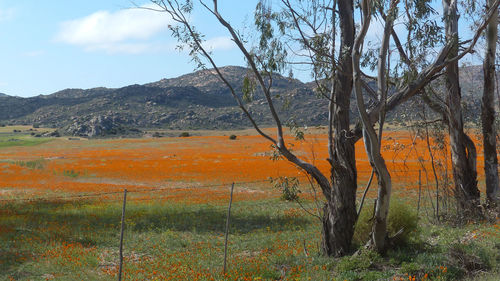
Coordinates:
[397,174]
[203,227]
[258,228]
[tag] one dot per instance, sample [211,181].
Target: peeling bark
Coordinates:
[488,113]
[339,214]
[463,152]
[372,141]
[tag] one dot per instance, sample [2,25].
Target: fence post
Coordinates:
[121,234]
[419,189]
[227,227]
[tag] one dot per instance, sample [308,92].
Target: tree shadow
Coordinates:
[79,222]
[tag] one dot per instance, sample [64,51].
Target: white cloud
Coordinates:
[123,48]
[219,43]
[7,14]
[36,53]
[123,31]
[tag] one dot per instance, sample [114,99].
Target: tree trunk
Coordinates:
[379,230]
[462,151]
[339,214]
[488,112]
[372,141]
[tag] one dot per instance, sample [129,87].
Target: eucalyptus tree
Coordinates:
[339,192]
[463,150]
[311,28]
[488,110]
[313,25]
[372,141]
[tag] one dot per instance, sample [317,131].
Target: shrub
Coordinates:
[32,164]
[184,135]
[362,261]
[401,216]
[289,187]
[157,135]
[232,137]
[71,173]
[36,126]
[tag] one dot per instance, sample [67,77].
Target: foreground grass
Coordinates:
[270,240]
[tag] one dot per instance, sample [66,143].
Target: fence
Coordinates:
[181,232]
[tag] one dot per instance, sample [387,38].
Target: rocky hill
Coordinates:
[194,101]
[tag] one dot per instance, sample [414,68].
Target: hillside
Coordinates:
[192,101]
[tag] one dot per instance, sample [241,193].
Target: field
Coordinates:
[61,199]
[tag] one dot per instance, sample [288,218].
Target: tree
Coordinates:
[463,150]
[333,67]
[488,111]
[339,212]
[372,141]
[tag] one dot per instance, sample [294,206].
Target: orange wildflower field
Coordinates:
[114,164]
[60,208]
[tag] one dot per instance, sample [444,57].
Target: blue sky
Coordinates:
[47,46]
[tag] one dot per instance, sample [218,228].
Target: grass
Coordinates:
[21,136]
[270,239]
[71,173]
[31,164]
[46,236]
[179,234]
[22,141]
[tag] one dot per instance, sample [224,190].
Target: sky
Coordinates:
[47,46]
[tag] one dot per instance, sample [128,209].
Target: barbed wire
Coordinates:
[167,188]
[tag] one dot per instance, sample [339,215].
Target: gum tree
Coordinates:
[488,110]
[463,150]
[311,27]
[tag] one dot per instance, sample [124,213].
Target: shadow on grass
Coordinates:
[29,228]
[92,223]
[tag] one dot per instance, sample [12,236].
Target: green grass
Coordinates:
[23,138]
[71,173]
[24,141]
[269,239]
[32,164]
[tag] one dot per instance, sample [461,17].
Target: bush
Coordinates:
[157,135]
[361,266]
[401,216]
[362,261]
[36,126]
[184,135]
[55,134]
[232,137]
[289,188]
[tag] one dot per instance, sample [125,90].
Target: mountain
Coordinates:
[193,101]
[198,100]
